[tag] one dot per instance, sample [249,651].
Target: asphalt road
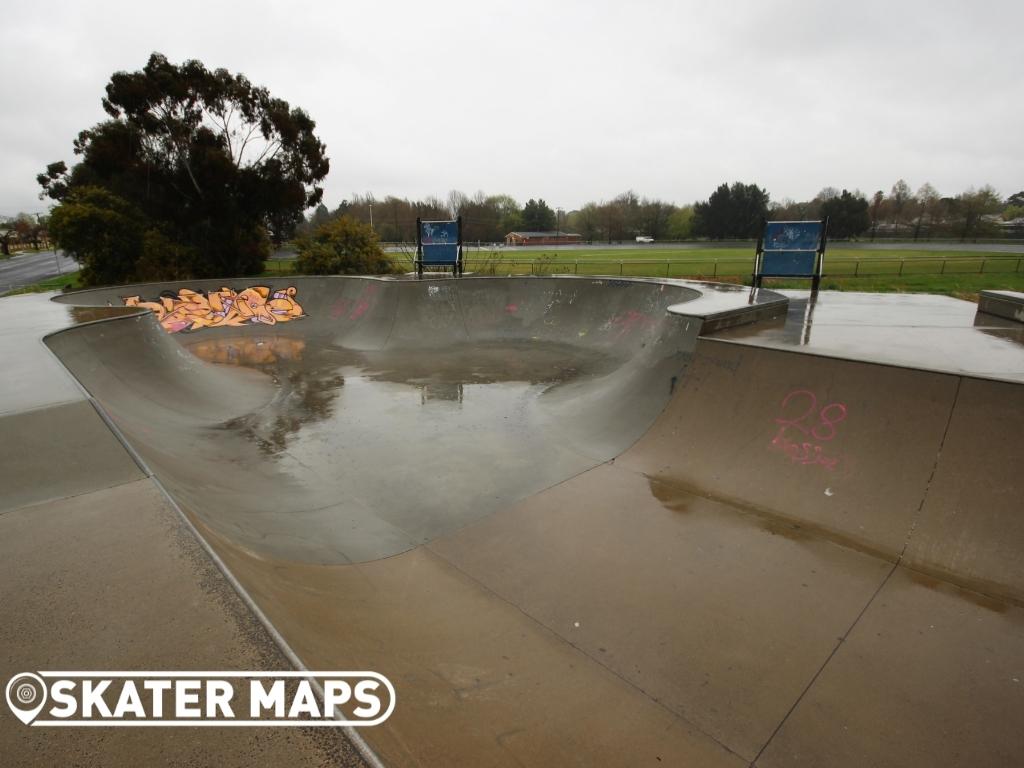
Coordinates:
[29,268]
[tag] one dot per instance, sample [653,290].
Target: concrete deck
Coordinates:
[935,333]
[650,537]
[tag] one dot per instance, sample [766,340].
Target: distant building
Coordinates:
[542,238]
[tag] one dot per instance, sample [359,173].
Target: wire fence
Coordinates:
[500,264]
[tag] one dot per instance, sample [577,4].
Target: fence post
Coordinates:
[666,267]
[856,267]
[576,267]
[1018,266]
[714,269]
[980,271]
[901,268]
[620,267]
[942,270]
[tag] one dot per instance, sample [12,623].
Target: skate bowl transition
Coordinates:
[580,521]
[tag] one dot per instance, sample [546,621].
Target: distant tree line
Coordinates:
[732,211]
[925,213]
[489,218]
[24,229]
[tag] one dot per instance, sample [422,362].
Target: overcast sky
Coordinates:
[563,100]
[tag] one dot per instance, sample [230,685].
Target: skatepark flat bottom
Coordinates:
[573,525]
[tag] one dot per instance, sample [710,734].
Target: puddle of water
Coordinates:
[423,441]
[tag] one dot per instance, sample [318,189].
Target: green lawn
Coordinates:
[61,282]
[954,273]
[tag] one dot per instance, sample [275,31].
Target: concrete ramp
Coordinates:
[392,412]
[971,526]
[838,447]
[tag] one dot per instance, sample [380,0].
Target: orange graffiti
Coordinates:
[191,310]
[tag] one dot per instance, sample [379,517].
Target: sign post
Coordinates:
[439,243]
[791,249]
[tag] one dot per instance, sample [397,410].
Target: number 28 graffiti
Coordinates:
[803,427]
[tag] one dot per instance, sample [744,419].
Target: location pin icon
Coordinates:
[26,695]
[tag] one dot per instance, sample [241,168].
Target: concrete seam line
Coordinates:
[364,749]
[559,637]
[825,663]
[58,499]
[935,468]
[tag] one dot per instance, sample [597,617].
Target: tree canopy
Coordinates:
[202,159]
[731,211]
[847,214]
[537,216]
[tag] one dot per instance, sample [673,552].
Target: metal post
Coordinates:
[576,267]
[620,267]
[714,270]
[942,269]
[980,271]
[856,267]
[901,268]
[418,265]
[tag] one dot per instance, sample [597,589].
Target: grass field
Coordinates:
[954,273]
[57,283]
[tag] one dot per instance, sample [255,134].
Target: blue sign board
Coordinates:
[440,241]
[788,263]
[790,248]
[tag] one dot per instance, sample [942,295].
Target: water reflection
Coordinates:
[81,315]
[253,351]
[306,392]
[312,379]
[807,319]
[445,392]
[793,329]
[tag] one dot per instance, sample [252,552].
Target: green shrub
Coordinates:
[102,231]
[342,246]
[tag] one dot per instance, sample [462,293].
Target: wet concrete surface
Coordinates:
[31,377]
[113,580]
[734,617]
[571,531]
[935,333]
[476,426]
[308,471]
[930,675]
[38,468]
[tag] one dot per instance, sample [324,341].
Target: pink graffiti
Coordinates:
[340,308]
[629,321]
[364,302]
[511,309]
[800,412]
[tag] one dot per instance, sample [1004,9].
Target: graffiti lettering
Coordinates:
[800,413]
[191,310]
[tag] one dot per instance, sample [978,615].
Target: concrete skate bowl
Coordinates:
[392,412]
[572,529]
